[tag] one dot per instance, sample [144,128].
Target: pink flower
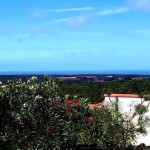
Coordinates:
[89,121]
[68,101]
[67,111]
[62,105]
[53,102]
[77,103]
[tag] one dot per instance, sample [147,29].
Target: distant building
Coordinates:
[99,81]
[69,78]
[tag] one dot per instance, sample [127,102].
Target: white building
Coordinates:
[127,103]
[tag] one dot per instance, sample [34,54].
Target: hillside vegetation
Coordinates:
[95,91]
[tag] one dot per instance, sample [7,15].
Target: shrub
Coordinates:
[32,114]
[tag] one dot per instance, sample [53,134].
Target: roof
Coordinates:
[95,106]
[123,95]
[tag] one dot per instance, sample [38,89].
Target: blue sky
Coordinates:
[59,35]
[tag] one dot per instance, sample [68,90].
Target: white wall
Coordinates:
[126,106]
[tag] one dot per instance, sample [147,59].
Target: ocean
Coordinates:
[77,72]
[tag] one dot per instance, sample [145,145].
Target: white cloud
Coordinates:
[84,18]
[143,5]
[60,20]
[39,12]
[71,9]
[112,11]
[79,20]
[75,21]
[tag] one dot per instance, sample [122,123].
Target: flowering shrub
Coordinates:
[34,115]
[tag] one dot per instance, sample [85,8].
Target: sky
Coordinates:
[66,35]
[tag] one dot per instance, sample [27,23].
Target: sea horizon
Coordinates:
[78,72]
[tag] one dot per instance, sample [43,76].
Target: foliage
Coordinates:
[95,91]
[37,114]
[141,109]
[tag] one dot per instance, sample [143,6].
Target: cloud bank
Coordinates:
[142,5]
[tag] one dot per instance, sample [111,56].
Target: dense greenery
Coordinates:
[95,91]
[39,114]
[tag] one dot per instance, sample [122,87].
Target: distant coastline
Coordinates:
[79,72]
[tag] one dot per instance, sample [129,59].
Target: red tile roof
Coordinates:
[95,106]
[123,95]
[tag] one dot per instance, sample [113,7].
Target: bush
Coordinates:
[32,114]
